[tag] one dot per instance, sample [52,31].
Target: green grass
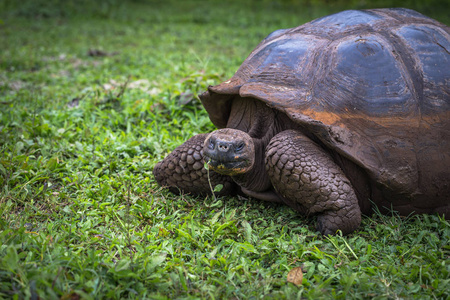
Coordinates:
[81,214]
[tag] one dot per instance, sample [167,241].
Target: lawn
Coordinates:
[93,94]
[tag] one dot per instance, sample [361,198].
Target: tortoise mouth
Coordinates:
[228,167]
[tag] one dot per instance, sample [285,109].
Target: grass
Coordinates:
[93,95]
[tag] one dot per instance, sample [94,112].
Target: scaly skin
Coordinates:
[310,182]
[183,170]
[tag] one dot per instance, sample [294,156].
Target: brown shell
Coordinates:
[372,85]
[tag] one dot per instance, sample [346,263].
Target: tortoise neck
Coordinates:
[262,123]
[251,116]
[256,179]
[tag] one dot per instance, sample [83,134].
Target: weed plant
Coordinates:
[94,93]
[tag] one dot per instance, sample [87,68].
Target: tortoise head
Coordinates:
[229,151]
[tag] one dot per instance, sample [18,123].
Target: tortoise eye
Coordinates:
[239,147]
[211,144]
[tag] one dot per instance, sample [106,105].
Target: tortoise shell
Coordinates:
[371,85]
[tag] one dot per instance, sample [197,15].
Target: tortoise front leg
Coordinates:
[183,170]
[311,182]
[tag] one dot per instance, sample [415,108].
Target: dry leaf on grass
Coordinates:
[295,276]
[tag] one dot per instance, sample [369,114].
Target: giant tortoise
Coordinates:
[330,117]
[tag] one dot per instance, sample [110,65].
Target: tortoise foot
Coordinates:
[344,220]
